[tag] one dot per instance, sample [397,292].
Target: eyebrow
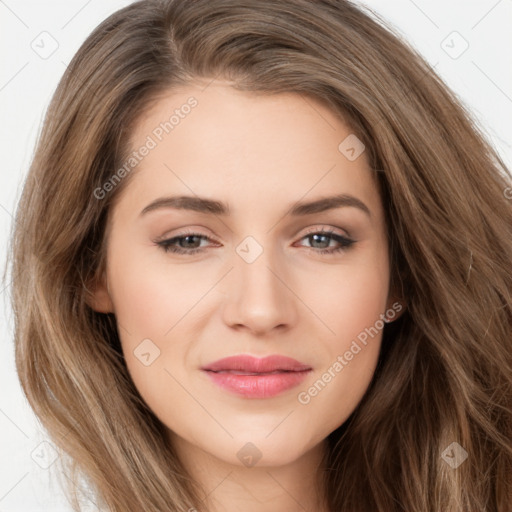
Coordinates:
[211,206]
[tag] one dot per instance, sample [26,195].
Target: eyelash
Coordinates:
[167,246]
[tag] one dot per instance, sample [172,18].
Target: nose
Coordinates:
[260,296]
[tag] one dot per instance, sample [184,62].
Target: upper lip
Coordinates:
[249,363]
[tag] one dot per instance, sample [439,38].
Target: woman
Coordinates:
[259,370]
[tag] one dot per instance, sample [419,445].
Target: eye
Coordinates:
[323,237]
[187,243]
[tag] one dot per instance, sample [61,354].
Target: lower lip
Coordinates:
[258,386]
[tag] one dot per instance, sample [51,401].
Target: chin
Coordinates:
[263,450]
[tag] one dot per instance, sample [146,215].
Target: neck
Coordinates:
[293,487]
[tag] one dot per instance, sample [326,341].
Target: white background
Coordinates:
[481,76]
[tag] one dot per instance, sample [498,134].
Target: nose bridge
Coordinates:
[253,268]
[259,299]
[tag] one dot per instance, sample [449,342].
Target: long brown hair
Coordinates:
[445,369]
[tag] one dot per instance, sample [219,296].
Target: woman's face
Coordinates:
[260,177]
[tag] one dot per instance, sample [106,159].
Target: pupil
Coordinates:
[317,235]
[188,237]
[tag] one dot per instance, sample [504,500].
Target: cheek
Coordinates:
[147,309]
[151,305]
[352,311]
[350,300]
[150,299]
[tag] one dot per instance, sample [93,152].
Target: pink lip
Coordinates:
[257,377]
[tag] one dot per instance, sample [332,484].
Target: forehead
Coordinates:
[249,148]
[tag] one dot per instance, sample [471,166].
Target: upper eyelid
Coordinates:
[323,230]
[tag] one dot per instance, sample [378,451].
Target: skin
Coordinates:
[260,154]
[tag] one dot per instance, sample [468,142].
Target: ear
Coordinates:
[395,308]
[396,304]
[98,297]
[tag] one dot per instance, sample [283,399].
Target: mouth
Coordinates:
[240,372]
[252,377]
[257,365]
